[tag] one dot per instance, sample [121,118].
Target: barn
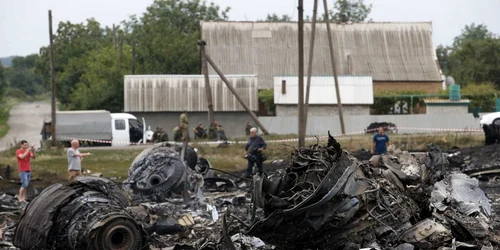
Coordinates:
[160,99]
[397,55]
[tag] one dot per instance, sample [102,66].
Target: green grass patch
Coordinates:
[51,166]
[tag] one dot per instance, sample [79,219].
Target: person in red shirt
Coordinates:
[24,155]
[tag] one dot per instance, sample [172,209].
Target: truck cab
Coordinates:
[126,129]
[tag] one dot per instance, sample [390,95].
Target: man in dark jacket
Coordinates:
[253,151]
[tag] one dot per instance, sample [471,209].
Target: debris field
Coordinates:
[324,198]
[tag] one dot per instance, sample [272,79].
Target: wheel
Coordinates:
[496,121]
[119,234]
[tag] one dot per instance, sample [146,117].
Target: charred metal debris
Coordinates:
[324,199]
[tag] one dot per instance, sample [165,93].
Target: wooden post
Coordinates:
[120,38]
[114,37]
[334,69]
[311,57]
[133,56]
[301,75]
[228,84]
[208,89]
[52,82]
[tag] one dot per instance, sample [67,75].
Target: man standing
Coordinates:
[247,128]
[75,160]
[253,151]
[185,125]
[380,142]
[24,155]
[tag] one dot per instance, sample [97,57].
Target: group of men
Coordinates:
[26,152]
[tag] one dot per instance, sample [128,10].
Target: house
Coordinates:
[398,56]
[160,99]
[356,93]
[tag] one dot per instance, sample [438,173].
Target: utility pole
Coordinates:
[133,56]
[120,38]
[228,84]
[114,37]
[311,57]
[208,89]
[52,82]
[334,69]
[302,124]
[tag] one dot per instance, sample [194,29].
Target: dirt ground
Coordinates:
[25,122]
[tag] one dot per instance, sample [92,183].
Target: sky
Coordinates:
[24,23]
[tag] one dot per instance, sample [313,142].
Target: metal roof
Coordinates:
[387,51]
[447,101]
[163,93]
[353,90]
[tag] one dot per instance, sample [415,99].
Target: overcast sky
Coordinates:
[24,24]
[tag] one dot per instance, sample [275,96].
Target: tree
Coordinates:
[3,81]
[275,18]
[89,64]
[472,32]
[21,75]
[348,10]
[167,34]
[102,89]
[473,56]
[443,54]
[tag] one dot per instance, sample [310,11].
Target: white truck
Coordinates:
[96,128]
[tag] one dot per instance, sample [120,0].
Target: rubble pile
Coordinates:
[327,200]
[476,161]
[324,199]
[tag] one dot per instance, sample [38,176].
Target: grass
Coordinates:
[51,164]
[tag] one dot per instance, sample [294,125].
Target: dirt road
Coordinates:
[25,123]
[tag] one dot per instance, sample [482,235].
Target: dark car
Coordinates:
[388,126]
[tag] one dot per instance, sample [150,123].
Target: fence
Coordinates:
[417,123]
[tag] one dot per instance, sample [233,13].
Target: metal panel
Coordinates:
[387,51]
[353,90]
[158,93]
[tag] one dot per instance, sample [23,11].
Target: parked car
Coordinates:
[492,118]
[388,127]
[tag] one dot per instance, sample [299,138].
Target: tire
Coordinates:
[496,121]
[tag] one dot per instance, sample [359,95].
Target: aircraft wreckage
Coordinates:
[323,199]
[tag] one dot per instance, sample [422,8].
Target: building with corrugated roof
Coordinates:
[446,106]
[356,93]
[160,99]
[398,56]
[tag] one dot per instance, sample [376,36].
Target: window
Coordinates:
[120,124]
[283,87]
[135,124]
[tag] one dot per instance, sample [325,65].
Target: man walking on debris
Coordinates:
[24,155]
[75,160]
[253,151]
[380,142]
[185,125]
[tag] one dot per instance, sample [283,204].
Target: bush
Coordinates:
[16,93]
